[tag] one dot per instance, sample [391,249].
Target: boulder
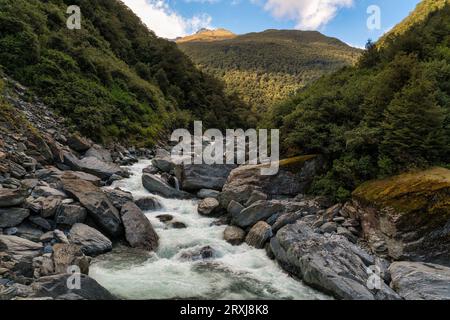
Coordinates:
[70,214]
[44,191]
[118,197]
[329,263]
[194,177]
[234,235]
[19,248]
[235,208]
[260,210]
[29,231]
[255,196]
[138,229]
[12,198]
[407,217]
[165,217]
[258,235]
[43,266]
[100,153]
[294,177]
[94,166]
[148,203]
[41,222]
[97,204]
[207,193]
[91,241]
[49,206]
[208,206]
[157,185]
[78,143]
[285,219]
[420,281]
[56,286]
[163,162]
[11,217]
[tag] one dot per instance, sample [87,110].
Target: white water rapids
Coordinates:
[235,272]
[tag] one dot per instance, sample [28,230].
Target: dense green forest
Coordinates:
[267,67]
[114,79]
[388,114]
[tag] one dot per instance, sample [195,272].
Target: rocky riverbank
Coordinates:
[57,210]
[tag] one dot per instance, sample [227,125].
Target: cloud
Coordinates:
[309,14]
[164,21]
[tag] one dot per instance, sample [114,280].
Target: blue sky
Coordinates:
[343,19]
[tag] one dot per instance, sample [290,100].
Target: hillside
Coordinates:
[388,114]
[113,79]
[206,35]
[266,68]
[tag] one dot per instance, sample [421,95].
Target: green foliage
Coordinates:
[266,68]
[114,79]
[389,113]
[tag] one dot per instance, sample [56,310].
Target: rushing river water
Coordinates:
[234,272]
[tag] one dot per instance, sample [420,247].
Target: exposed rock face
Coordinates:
[420,281]
[294,177]
[155,184]
[330,263]
[234,235]
[56,287]
[12,198]
[208,206]
[258,235]
[12,217]
[194,177]
[97,203]
[138,230]
[260,210]
[91,241]
[408,216]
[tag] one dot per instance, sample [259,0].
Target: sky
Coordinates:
[352,21]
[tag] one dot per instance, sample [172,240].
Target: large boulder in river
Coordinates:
[139,231]
[260,210]
[234,235]
[294,177]
[100,153]
[163,161]
[420,281]
[259,234]
[96,202]
[56,287]
[208,206]
[12,197]
[408,216]
[91,241]
[329,263]
[157,185]
[194,177]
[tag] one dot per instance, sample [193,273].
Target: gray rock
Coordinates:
[208,193]
[97,204]
[178,225]
[329,227]
[70,214]
[260,210]
[420,281]
[138,230]
[41,222]
[165,217]
[43,191]
[235,208]
[255,196]
[148,203]
[12,217]
[19,248]
[118,197]
[56,286]
[285,219]
[49,206]
[259,234]
[91,241]
[94,166]
[164,163]
[156,185]
[12,198]
[194,177]
[234,235]
[47,237]
[29,231]
[100,153]
[327,262]
[60,236]
[67,255]
[346,233]
[78,143]
[208,206]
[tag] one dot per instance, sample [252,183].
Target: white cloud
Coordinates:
[309,14]
[164,21]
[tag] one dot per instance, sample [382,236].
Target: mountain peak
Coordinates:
[208,35]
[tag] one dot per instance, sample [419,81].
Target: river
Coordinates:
[234,272]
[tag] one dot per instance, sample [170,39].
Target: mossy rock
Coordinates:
[417,197]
